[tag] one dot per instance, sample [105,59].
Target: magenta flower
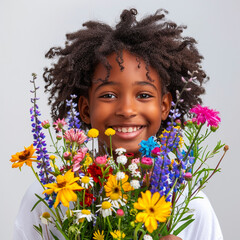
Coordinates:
[101,161]
[75,135]
[146,162]
[59,124]
[204,114]
[77,159]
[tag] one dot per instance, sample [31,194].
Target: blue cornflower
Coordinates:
[147,146]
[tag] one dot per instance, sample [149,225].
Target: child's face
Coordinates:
[128,102]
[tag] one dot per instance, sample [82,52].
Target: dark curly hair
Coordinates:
[154,39]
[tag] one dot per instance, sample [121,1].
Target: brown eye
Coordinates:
[108,95]
[144,96]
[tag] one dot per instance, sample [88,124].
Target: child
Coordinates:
[126,78]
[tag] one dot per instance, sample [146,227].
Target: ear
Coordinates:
[166,105]
[83,107]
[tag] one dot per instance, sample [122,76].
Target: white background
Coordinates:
[28,28]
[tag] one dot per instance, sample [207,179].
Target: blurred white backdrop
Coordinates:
[30,27]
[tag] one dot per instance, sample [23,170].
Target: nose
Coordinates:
[126,107]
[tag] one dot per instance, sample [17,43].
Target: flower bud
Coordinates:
[188,176]
[226,147]
[45,124]
[214,128]
[146,163]
[120,213]
[132,223]
[178,122]
[59,137]
[67,156]
[155,151]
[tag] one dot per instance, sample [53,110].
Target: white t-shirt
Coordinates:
[205,226]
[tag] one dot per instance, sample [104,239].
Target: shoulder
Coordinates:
[206,225]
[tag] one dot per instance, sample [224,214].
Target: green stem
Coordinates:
[136,230]
[109,223]
[195,138]
[37,177]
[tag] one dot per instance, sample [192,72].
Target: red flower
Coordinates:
[96,172]
[89,198]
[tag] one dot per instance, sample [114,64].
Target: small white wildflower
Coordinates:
[120,175]
[112,163]
[133,167]
[147,237]
[86,181]
[135,184]
[136,174]
[105,209]
[122,159]
[120,151]
[45,218]
[84,213]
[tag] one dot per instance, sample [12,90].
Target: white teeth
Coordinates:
[130,130]
[124,130]
[127,129]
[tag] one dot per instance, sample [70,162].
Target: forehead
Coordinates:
[134,68]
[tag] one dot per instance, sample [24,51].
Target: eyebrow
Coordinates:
[109,83]
[145,83]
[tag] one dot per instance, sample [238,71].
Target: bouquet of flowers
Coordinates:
[118,195]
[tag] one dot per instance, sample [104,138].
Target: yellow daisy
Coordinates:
[155,208]
[98,235]
[113,186]
[118,235]
[65,187]
[25,156]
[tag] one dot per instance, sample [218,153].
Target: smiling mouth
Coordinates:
[126,129]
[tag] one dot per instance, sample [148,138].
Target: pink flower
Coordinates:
[75,135]
[59,124]
[204,114]
[147,161]
[136,160]
[120,213]
[77,159]
[45,124]
[101,161]
[67,156]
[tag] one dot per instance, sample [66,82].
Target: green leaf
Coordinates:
[186,218]
[35,205]
[176,232]
[54,236]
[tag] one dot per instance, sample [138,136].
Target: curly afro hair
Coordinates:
[154,39]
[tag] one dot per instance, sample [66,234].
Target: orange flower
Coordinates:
[25,156]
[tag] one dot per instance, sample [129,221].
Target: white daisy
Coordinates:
[116,200]
[84,213]
[105,209]
[120,151]
[135,184]
[45,218]
[86,181]
[122,159]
